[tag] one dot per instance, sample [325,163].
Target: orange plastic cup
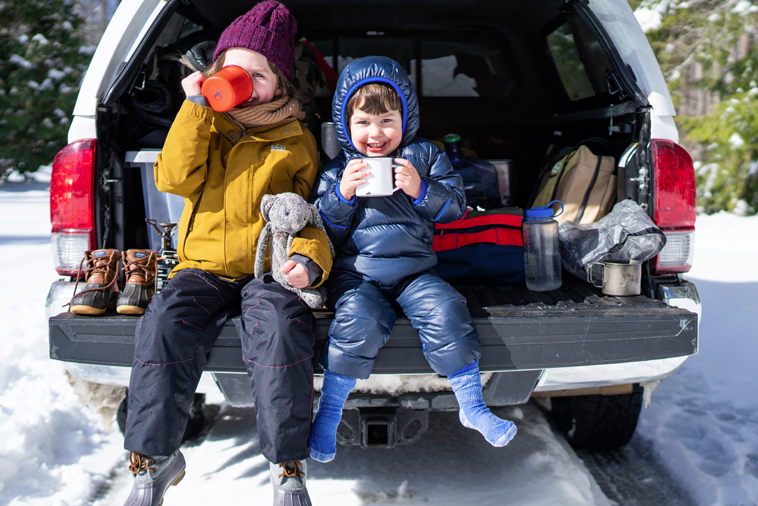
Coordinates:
[228,88]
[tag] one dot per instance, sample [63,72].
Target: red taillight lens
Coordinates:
[675,205]
[674,186]
[72,205]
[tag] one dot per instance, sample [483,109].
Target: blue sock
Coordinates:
[474,413]
[323,438]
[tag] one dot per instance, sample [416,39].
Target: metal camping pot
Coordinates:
[329,142]
[505,181]
[620,278]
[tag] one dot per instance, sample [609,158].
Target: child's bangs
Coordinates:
[375,98]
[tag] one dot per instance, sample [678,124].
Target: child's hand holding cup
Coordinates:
[379,181]
[375,177]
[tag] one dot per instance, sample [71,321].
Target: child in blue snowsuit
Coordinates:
[384,251]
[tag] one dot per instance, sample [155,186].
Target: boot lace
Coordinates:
[140,264]
[139,462]
[100,265]
[292,471]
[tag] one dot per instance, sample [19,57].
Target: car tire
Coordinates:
[598,422]
[195,424]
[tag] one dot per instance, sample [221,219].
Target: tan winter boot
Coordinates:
[101,277]
[140,271]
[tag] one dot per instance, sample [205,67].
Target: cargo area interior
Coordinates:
[519,83]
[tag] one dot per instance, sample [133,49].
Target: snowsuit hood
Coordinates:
[374,69]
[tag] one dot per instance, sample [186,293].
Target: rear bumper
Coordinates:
[551,339]
[548,345]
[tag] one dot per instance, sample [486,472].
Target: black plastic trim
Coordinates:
[625,73]
[515,339]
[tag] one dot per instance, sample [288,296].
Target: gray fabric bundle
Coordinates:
[626,233]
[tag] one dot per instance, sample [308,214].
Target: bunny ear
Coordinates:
[266,204]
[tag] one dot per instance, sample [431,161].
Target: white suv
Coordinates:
[515,79]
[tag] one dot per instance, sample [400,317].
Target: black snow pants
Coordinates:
[172,344]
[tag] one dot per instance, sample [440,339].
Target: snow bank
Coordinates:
[53,450]
[703,423]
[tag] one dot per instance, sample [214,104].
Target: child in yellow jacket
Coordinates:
[223,164]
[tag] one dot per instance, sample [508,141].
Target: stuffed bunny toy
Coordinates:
[286,214]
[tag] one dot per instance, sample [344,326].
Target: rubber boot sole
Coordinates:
[86,310]
[130,310]
[93,311]
[173,483]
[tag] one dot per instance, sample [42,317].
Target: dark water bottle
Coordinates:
[542,249]
[167,256]
[479,176]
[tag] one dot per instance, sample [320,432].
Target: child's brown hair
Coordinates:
[282,81]
[374,98]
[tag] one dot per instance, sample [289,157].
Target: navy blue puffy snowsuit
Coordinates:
[384,246]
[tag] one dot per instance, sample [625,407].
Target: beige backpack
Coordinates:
[584,182]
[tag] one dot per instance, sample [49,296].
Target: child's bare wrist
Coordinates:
[343,194]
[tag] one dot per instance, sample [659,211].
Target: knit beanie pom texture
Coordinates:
[269,29]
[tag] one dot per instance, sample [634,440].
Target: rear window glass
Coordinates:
[449,65]
[579,59]
[465,67]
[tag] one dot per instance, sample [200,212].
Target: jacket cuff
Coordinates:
[311,267]
[421,196]
[199,100]
[341,198]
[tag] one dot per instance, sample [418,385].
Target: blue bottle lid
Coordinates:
[544,213]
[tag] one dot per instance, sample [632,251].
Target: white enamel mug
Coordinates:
[380,181]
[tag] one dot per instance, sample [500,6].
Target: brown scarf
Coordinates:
[270,113]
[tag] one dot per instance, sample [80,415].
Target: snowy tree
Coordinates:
[41,65]
[708,50]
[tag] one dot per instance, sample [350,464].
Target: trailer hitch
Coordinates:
[383,427]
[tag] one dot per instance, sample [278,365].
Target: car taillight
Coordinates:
[675,205]
[72,205]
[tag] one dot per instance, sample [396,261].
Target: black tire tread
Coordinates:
[598,422]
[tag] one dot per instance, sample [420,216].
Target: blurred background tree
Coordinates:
[45,47]
[41,64]
[708,50]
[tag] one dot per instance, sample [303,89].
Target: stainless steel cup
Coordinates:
[619,278]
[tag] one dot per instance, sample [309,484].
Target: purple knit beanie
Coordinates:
[268,29]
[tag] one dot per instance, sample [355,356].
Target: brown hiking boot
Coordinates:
[140,271]
[101,277]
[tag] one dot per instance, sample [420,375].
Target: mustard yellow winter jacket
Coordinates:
[223,178]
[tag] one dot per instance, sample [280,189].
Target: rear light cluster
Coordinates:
[72,205]
[675,206]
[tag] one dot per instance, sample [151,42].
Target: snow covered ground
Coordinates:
[52,451]
[703,421]
[702,425]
